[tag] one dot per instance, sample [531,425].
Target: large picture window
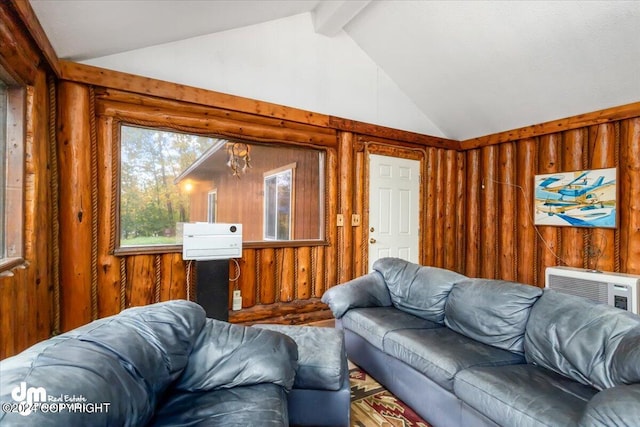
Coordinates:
[167,178]
[11,171]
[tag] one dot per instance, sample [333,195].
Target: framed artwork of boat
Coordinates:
[584,198]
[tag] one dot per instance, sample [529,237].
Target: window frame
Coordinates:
[12,211]
[116,142]
[275,173]
[212,208]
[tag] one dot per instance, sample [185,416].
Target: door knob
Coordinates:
[372,240]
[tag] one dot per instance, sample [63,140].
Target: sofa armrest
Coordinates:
[617,406]
[227,355]
[369,290]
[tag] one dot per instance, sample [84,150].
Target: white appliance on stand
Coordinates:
[211,245]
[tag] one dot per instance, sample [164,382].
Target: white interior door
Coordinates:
[394,192]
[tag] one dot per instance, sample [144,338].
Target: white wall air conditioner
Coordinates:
[202,241]
[616,289]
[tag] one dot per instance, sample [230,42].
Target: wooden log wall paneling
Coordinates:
[506,225]
[460,202]
[502,241]
[489,209]
[75,203]
[360,233]
[27,312]
[573,155]
[111,297]
[525,235]
[345,203]
[601,152]
[440,186]
[271,278]
[629,251]
[472,219]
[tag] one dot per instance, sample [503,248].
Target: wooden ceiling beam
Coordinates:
[391,133]
[32,24]
[329,18]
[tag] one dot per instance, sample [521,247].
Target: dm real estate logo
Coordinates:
[30,399]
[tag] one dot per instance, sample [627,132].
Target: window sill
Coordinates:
[164,249]
[9,264]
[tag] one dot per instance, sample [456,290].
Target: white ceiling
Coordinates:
[471,68]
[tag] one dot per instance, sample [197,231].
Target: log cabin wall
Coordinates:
[108,280]
[280,282]
[475,210]
[27,291]
[475,215]
[500,239]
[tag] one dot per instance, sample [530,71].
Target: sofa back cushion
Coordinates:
[493,312]
[625,366]
[227,355]
[415,289]
[580,339]
[123,363]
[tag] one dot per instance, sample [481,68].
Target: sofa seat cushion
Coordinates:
[441,353]
[416,289]
[494,312]
[523,395]
[259,404]
[373,324]
[322,358]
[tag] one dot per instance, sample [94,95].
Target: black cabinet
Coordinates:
[212,283]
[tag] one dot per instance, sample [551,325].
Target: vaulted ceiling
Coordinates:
[457,69]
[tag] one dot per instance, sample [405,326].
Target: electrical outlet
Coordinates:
[237,300]
[355,220]
[340,220]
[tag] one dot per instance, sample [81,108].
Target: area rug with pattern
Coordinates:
[372,405]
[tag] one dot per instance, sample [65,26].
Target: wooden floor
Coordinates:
[329,323]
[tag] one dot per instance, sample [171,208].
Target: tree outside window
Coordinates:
[275,190]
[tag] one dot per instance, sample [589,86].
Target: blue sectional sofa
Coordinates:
[478,352]
[163,365]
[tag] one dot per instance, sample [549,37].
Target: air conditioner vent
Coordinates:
[593,290]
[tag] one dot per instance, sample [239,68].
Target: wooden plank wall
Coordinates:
[270,276]
[500,239]
[26,292]
[279,282]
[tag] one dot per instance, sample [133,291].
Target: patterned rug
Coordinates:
[372,405]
